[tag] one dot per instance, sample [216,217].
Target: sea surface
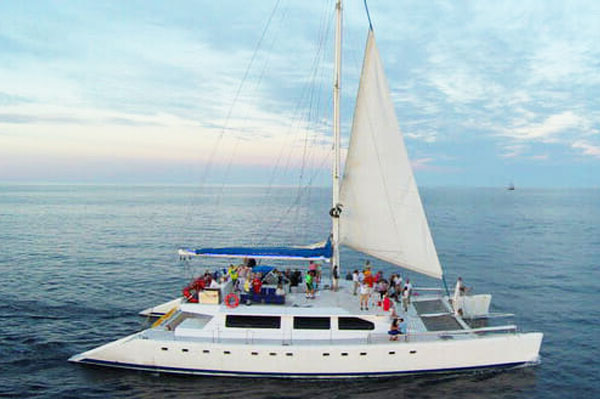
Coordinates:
[77,264]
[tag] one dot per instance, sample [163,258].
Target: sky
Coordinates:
[239,92]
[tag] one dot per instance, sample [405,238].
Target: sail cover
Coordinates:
[382,214]
[321,251]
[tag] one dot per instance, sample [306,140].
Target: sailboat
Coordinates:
[376,209]
[511,186]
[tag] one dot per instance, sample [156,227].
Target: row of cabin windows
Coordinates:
[287,354]
[300,322]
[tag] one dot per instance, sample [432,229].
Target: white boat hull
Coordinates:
[322,360]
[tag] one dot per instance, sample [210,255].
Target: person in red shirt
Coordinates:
[386,303]
[256,285]
[369,280]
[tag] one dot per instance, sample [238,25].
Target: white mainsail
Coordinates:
[382,213]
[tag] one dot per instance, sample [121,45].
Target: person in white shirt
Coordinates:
[459,290]
[405,298]
[355,281]
[407,292]
[364,296]
[279,291]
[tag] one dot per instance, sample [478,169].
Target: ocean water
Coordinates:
[77,263]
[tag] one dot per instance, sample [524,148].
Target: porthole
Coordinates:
[272,354]
[363,353]
[254,353]
[226,352]
[325,354]
[413,352]
[185,350]
[205,351]
[289,354]
[344,353]
[391,352]
[164,349]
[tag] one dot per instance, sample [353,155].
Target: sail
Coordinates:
[382,214]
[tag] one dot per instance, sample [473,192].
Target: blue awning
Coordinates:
[321,251]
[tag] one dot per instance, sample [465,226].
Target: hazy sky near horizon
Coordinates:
[153,91]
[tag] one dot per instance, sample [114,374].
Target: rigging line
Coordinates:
[207,168]
[262,74]
[240,86]
[257,85]
[368,15]
[289,209]
[307,92]
[313,104]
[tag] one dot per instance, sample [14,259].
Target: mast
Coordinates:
[337,77]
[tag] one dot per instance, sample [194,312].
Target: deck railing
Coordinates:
[435,335]
[250,337]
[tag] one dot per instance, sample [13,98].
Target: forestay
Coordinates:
[382,213]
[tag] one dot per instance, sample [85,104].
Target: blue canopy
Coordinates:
[320,251]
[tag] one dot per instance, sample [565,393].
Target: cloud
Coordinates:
[424,136]
[564,61]
[547,130]
[587,148]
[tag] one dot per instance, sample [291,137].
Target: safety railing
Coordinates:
[250,337]
[443,335]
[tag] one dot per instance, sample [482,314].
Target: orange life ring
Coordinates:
[229,303]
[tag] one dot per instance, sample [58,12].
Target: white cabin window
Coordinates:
[312,323]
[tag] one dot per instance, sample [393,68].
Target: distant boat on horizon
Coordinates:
[511,186]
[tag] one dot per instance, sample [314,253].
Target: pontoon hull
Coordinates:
[323,360]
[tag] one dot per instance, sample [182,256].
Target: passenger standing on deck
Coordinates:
[405,298]
[312,268]
[256,283]
[459,290]
[399,287]
[382,288]
[355,281]
[335,277]
[242,276]
[369,280]
[378,276]
[310,291]
[386,303]
[317,276]
[364,296]
[408,286]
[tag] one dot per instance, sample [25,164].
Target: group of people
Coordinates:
[366,284]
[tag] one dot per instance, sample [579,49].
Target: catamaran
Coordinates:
[376,209]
